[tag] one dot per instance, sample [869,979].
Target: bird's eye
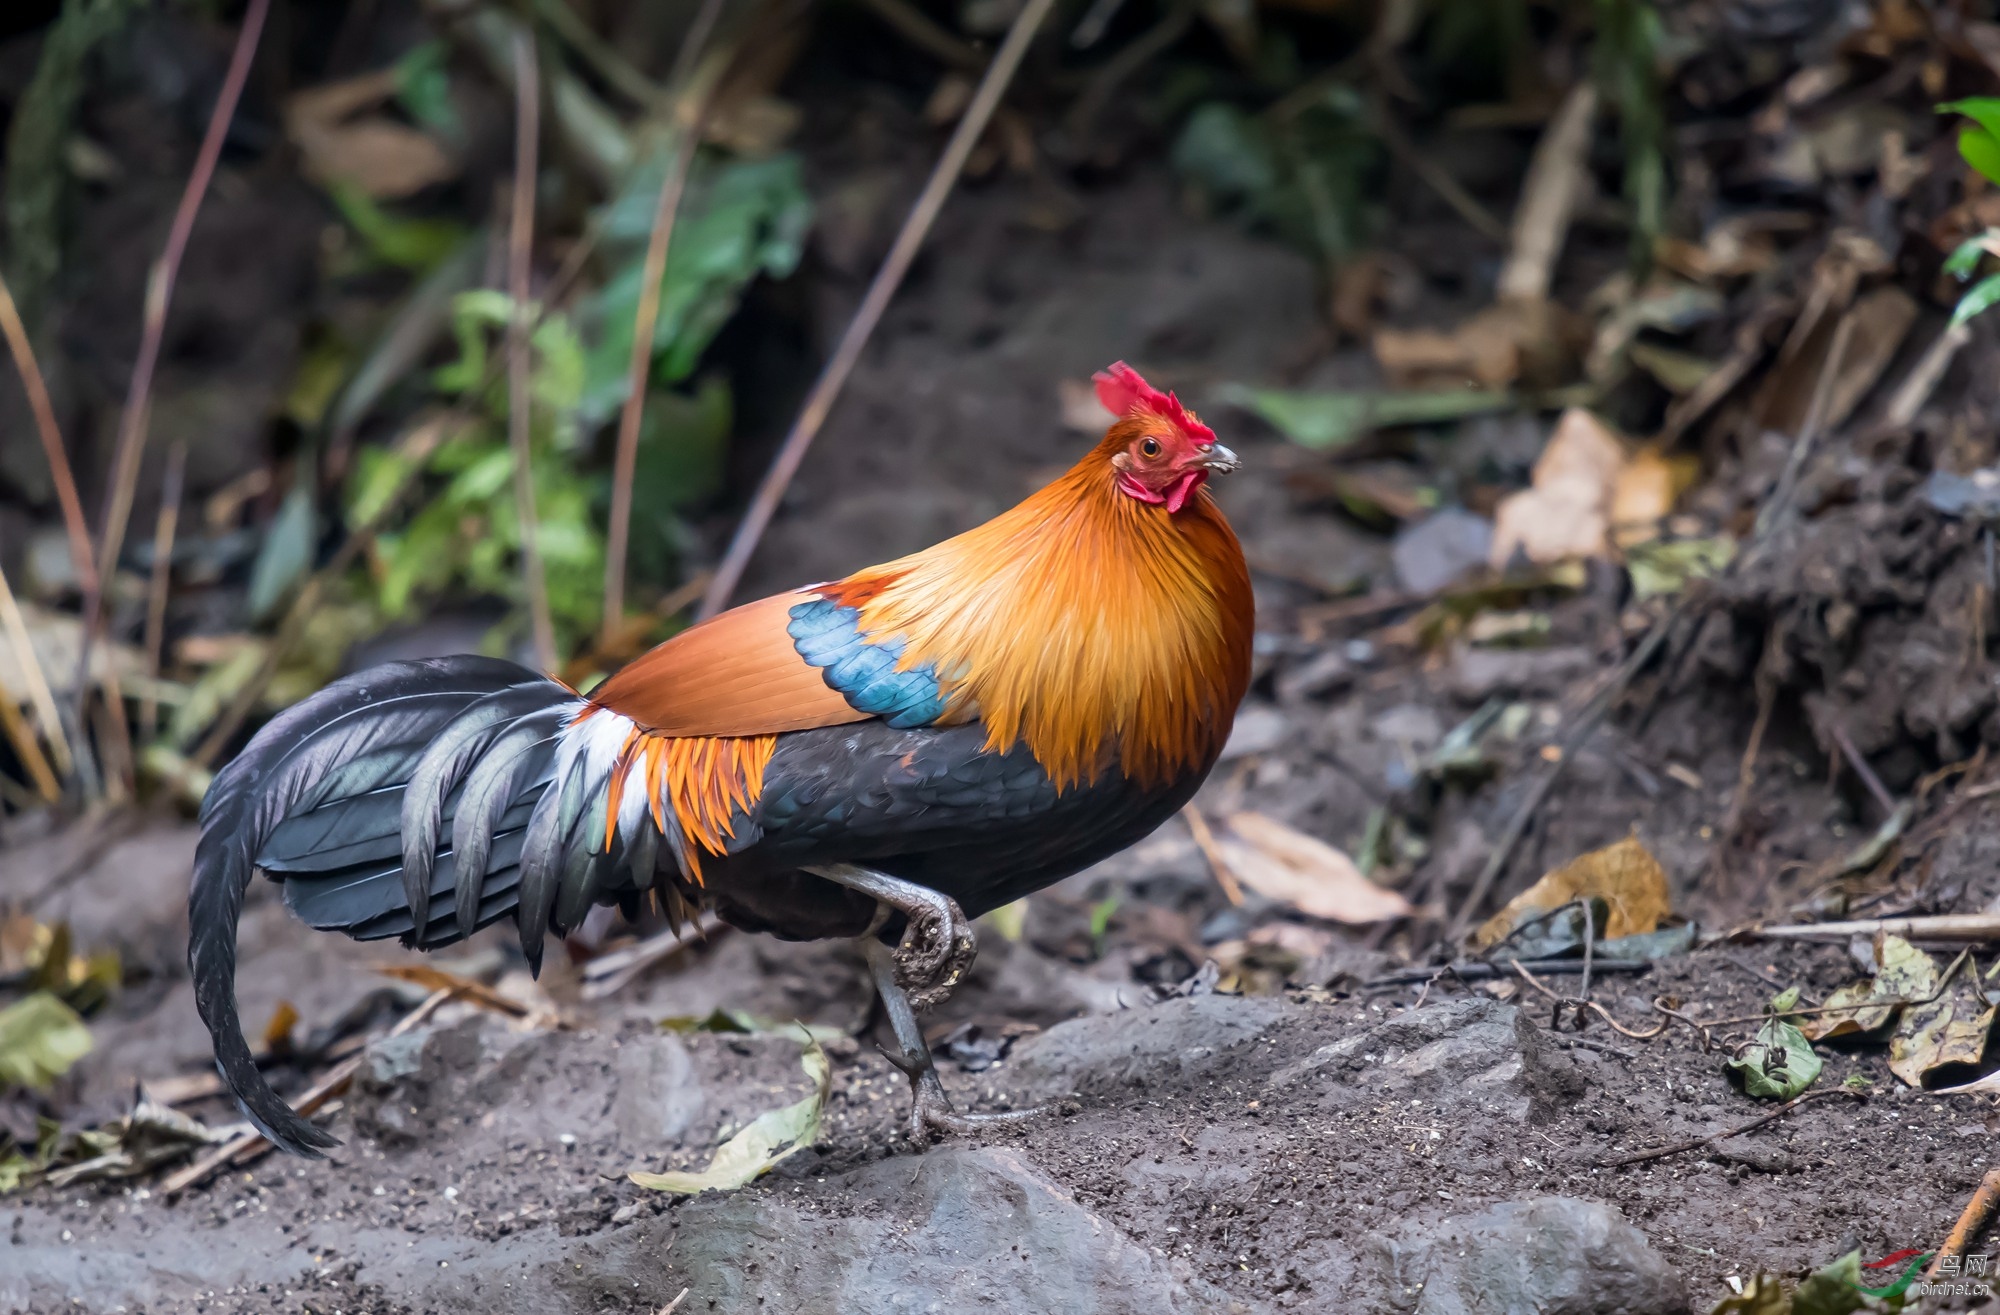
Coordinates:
[1149,448]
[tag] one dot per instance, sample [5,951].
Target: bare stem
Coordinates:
[159,293]
[690,113]
[520,251]
[51,435]
[826,390]
[164,530]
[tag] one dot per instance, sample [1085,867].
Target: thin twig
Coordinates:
[1697,1143]
[156,592]
[1862,770]
[27,748]
[1808,436]
[39,694]
[1976,928]
[1116,71]
[1431,174]
[1580,1006]
[51,436]
[691,112]
[887,279]
[1468,971]
[243,1149]
[617,71]
[1978,1211]
[159,294]
[520,251]
[611,973]
[919,30]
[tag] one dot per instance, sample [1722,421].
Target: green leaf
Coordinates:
[1327,421]
[1977,300]
[1660,568]
[40,1038]
[768,1139]
[378,473]
[1964,258]
[287,552]
[412,244]
[1779,1064]
[739,221]
[1982,110]
[1981,149]
[744,1023]
[1230,154]
[1785,1001]
[423,88]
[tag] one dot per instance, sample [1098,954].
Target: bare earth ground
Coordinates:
[1315,1148]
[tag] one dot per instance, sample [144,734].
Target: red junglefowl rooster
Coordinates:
[880,757]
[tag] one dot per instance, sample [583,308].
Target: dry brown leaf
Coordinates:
[1487,350]
[1625,876]
[1945,1035]
[339,143]
[1567,512]
[1284,864]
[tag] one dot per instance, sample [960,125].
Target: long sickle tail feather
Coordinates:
[424,800]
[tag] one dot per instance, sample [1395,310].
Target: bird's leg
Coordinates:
[930,1109]
[938,945]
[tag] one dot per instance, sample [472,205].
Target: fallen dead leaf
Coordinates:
[1491,349]
[339,142]
[1566,513]
[40,1038]
[1284,864]
[1947,1034]
[769,1138]
[1902,972]
[1625,876]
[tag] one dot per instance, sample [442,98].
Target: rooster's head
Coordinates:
[1158,450]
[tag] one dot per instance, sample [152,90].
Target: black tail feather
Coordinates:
[347,732]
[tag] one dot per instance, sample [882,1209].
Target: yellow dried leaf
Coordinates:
[1625,876]
[1948,1033]
[1902,972]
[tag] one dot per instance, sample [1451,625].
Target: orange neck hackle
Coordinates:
[1093,626]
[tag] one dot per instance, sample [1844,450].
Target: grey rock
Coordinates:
[1478,674]
[1441,549]
[1176,1039]
[1322,673]
[958,1230]
[660,1096]
[1475,1055]
[1259,728]
[1553,1255]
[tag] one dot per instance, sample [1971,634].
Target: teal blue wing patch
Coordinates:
[829,636]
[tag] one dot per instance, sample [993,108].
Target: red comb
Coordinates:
[1122,391]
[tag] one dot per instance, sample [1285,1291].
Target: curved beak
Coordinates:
[1220,460]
